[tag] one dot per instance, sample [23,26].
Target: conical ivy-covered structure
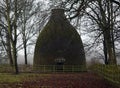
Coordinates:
[59,42]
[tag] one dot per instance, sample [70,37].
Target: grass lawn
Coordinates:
[11,78]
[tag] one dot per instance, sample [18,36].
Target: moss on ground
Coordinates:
[11,78]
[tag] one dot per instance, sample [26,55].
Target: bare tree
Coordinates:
[102,13]
[31,16]
[27,15]
[10,12]
[116,2]
[20,20]
[4,32]
[12,29]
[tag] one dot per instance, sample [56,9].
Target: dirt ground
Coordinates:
[64,80]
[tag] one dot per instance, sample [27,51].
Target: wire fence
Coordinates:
[42,68]
[59,68]
[110,72]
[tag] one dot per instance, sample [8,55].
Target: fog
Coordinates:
[21,59]
[89,60]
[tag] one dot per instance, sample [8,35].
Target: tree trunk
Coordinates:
[109,34]
[14,42]
[113,44]
[8,32]
[9,50]
[110,47]
[24,37]
[10,55]
[15,58]
[25,52]
[105,52]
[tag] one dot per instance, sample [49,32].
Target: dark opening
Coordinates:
[59,64]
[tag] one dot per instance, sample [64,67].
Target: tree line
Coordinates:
[19,23]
